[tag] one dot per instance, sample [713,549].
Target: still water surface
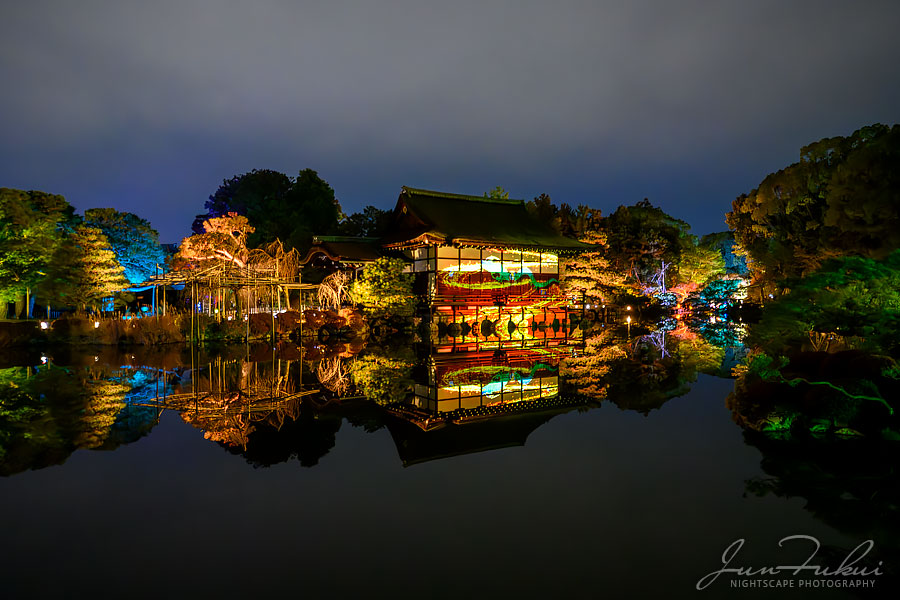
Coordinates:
[315,496]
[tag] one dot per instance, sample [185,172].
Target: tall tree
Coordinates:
[86,270]
[698,264]
[371,222]
[588,272]
[279,207]
[642,237]
[841,199]
[132,239]
[32,226]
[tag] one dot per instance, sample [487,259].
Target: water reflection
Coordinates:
[292,404]
[272,403]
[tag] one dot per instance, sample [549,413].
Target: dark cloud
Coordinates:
[147,106]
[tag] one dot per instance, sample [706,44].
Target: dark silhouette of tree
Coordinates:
[371,222]
[277,206]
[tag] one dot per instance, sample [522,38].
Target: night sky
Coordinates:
[148,106]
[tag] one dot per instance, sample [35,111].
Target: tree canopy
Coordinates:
[382,287]
[132,239]
[841,199]
[85,270]
[278,207]
[224,240]
[850,296]
[641,237]
[588,272]
[371,222]
[32,226]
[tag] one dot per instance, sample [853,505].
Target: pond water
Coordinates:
[251,471]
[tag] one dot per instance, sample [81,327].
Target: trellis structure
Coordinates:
[258,288]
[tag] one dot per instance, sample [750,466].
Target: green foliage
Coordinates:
[132,239]
[719,292]
[848,297]
[85,270]
[574,223]
[382,379]
[642,236]
[498,193]
[841,199]
[699,264]
[383,288]
[47,414]
[725,244]
[773,369]
[32,226]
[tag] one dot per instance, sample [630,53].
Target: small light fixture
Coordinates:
[628,307]
[45,325]
[96,324]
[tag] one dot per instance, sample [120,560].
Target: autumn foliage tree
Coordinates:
[224,240]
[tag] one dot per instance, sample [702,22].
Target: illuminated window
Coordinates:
[549,263]
[512,261]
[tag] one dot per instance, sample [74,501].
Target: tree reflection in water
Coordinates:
[271,404]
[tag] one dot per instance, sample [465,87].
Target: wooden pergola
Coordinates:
[210,286]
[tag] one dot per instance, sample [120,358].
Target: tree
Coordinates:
[498,193]
[86,270]
[588,272]
[132,239]
[848,297]
[382,379]
[371,222]
[279,207]
[699,265]
[724,243]
[841,199]
[383,288]
[224,240]
[586,373]
[573,223]
[32,226]
[642,237]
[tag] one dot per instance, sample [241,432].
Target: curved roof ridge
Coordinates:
[421,192]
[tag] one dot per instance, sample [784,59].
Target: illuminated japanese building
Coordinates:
[488,269]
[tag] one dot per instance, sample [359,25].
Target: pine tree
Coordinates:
[92,271]
[588,272]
